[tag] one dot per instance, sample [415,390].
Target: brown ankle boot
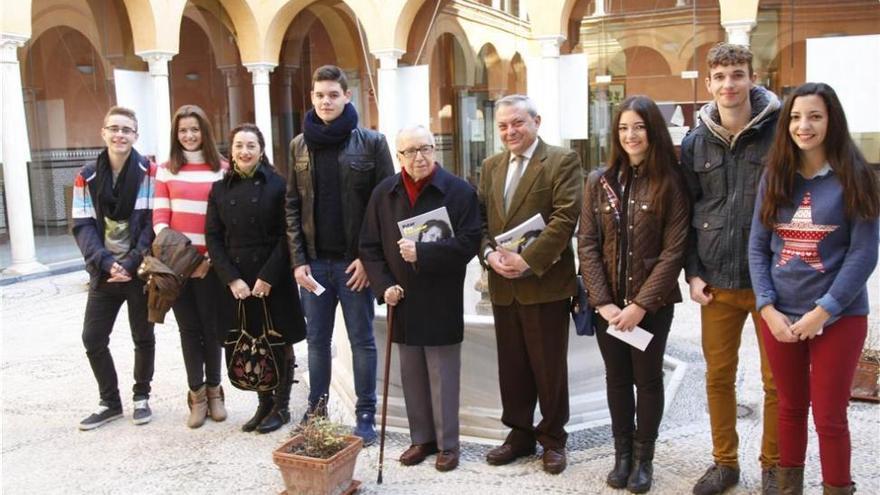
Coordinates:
[216,406]
[790,479]
[838,490]
[198,407]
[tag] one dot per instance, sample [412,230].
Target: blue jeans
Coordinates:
[357,310]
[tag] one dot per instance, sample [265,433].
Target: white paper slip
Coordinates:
[319,288]
[638,338]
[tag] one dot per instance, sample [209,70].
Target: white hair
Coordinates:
[514,100]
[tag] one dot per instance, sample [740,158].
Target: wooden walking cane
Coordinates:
[388,335]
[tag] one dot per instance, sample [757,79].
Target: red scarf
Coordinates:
[413,188]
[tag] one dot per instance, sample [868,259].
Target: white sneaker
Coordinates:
[142,413]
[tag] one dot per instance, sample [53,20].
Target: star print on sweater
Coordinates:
[802,236]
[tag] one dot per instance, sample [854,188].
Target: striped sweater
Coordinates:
[88,228]
[181,199]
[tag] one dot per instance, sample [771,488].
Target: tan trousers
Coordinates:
[722,325]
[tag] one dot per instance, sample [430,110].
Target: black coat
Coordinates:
[245,232]
[431,312]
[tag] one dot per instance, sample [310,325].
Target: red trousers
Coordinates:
[819,371]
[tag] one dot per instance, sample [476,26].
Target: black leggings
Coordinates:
[196,314]
[626,366]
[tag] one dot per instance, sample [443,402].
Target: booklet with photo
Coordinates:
[519,237]
[638,337]
[428,227]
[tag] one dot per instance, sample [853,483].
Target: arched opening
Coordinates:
[66,94]
[452,106]
[323,33]
[648,73]
[517,75]
[207,71]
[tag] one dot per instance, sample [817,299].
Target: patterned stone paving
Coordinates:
[47,387]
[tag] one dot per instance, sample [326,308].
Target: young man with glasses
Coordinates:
[334,167]
[424,281]
[112,224]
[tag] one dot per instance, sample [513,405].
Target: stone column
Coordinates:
[233,96]
[15,153]
[600,8]
[262,104]
[547,96]
[739,32]
[389,107]
[158,62]
[286,117]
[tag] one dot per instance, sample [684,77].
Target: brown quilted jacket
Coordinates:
[656,246]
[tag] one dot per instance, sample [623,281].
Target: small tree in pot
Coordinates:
[319,458]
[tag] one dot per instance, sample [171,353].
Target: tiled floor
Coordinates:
[47,387]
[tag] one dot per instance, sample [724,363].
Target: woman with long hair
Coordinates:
[247,241]
[631,243]
[180,203]
[812,247]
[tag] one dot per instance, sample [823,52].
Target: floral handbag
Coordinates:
[252,364]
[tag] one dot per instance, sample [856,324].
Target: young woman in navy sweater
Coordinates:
[812,247]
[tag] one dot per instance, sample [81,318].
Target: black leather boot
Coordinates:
[263,409]
[642,474]
[619,475]
[280,413]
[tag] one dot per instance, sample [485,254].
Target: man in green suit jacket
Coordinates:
[530,290]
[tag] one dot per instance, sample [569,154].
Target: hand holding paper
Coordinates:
[319,289]
[638,337]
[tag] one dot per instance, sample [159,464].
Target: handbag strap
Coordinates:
[613,199]
[242,316]
[268,325]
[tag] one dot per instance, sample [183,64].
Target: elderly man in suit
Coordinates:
[424,280]
[530,290]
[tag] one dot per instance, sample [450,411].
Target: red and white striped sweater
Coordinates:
[181,199]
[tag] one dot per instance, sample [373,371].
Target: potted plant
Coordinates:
[319,458]
[866,383]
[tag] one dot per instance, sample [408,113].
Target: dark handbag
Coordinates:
[581,312]
[252,364]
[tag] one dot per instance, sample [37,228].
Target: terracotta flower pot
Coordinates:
[865,383]
[310,476]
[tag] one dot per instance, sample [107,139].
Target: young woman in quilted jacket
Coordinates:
[812,247]
[631,243]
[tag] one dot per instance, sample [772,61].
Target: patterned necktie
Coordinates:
[514,182]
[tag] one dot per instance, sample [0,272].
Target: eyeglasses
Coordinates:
[126,131]
[424,150]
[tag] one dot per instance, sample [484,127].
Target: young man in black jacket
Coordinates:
[723,162]
[334,167]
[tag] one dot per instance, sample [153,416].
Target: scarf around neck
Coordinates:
[320,135]
[413,188]
[116,201]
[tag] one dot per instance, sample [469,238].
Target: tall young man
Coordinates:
[531,289]
[723,162]
[334,167]
[112,224]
